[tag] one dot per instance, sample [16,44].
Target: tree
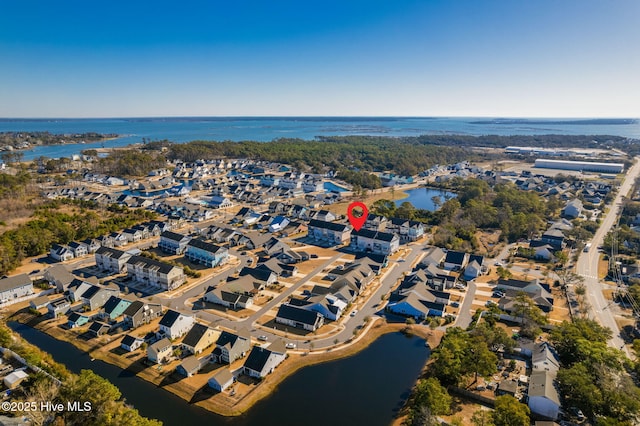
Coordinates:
[509,412]
[503,273]
[530,315]
[479,359]
[482,418]
[431,393]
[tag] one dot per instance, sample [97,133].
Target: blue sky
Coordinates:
[510,58]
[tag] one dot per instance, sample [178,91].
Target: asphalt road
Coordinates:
[587,265]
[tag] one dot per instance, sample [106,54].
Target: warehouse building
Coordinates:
[585,166]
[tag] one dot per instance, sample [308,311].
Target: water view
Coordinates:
[367,388]
[422,198]
[184,129]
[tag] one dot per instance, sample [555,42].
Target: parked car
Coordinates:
[353,313]
[262,338]
[291,345]
[455,304]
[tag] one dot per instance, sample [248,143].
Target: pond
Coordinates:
[422,198]
[367,388]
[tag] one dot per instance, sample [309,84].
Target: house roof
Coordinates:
[455,257]
[161,344]
[97,326]
[332,226]
[163,267]
[111,252]
[191,364]
[15,281]
[111,304]
[541,384]
[297,314]
[257,273]
[170,317]
[257,358]
[173,236]
[129,340]
[223,375]
[227,338]
[509,386]
[203,245]
[375,235]
[60,273]
[194,335]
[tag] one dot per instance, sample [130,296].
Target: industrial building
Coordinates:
[585,166]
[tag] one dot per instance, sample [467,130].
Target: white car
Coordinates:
[354,312]
[262,338]
[290,346]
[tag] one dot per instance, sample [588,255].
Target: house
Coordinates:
[537,292]
[229,296]
[58,307]
[76,320]
[374,241]
[329,232]
[159,274]
[199,338]
[98,328]
[542,251]
[325,216]
[543,398]
[39,302]
[173,243]
[407,230]
[413,305]
[507,387]
[78,287]
[265,276]
[78,249]
[15,287]
[295,316]
[114,308]
[221,380]
[544,358]
[554,237]
[132,235]
[175,324]
[139,313]
[111,260]
[435,257]
[472,271]
[230,346]
[355,276]
[278,224]
[130,343]
[61,253]
[92,245]
[329,306]
[13,380]
[160,351]
[274,246]
[58,276]
[210,255]
[455,260]
[262,361]
[95,297]
[572,209]
[191,365]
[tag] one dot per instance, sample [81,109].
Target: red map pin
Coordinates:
[357,221]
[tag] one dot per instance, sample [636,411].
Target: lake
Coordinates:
[184,129]
[421,198]
[367,388]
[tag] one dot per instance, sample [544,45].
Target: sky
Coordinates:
[492,58]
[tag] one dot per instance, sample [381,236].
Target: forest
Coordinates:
[53,224]
[15,139]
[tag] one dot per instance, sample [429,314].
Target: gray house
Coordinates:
[15,287]
[139,313]
[172,242]
[95,297]
[230,347]
[59,276]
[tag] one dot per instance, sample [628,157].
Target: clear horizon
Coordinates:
[411,58]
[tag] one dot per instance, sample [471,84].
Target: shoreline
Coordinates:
[204,397]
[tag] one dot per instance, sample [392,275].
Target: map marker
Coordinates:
[357,221]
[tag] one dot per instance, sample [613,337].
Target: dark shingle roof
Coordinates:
[195,334]
[333,226]
[173,236]
[169,318]
[455,257]
[375,235]
[257,358]
[149,263]
[297,314]
[203,245]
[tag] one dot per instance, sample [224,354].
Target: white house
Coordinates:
[543,400]
[262,361]
[375,242]
[221,380]
[175,324]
